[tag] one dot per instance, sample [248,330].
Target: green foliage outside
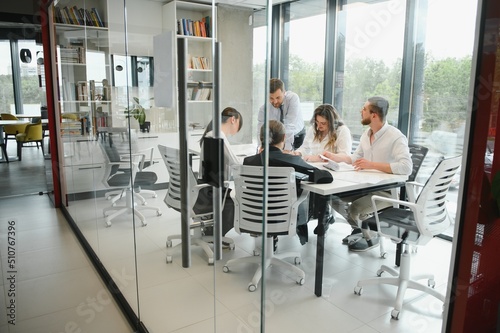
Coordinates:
[31,92]
[444,97]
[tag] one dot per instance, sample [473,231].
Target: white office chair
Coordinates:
[123,173]
[282,207]
[417,224]
[121,133]
[199,222]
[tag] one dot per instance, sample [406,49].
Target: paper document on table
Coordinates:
[332,165]
[363,176]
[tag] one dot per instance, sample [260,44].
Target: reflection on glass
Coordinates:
[32,79]
[122,77]
[144,71]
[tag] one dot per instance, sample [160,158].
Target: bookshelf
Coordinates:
[82,58]
[193,22]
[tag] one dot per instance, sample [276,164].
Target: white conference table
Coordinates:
[345,183]
[3,152]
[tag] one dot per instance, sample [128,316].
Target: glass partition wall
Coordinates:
[117,81]
[118,102]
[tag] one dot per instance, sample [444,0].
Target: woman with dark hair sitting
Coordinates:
[278,158]
[231,123]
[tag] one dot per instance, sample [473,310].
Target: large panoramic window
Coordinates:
[372,37]
[306,54]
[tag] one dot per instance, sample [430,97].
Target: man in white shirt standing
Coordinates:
[382,147]
[284,106]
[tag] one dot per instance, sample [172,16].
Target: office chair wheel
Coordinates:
[169,259]
[301,281]
[108,224]
[395,314]
[158,212]
[169,243]
[225,269]
[383,255]
[252,287]
[431,283]
[379,272]
[154,195]
[210,261]
[256,253]
[358,290]
[297,260]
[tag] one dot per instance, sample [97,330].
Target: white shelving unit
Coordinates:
[199,104]
[82,70]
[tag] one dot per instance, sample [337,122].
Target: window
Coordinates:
[306,54]
[371,38]
[6,83]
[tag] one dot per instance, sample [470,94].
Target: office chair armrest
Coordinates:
[394,202]
[147,155]
[416,209]
[412,190]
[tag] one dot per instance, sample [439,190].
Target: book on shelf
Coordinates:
[73,54]
[208,25]
[98,17]
[199,63]
[78,16]
[180,28]
[82,91]
[199,94]
[198,28]
[75,16]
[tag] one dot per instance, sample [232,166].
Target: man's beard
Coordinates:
[366,121]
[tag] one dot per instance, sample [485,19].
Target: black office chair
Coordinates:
[413,223]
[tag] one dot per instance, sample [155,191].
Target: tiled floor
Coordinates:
[58,290]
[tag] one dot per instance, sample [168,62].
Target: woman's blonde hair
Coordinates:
[328,112]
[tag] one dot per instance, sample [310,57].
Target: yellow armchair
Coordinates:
[33,133]
[11,130]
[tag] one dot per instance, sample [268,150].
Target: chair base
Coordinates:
[114,196]
[403,280]
[206,242]
[270,259]
[128,209]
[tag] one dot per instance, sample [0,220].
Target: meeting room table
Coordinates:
[345,184]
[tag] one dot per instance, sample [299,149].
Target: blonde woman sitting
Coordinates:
[326,133]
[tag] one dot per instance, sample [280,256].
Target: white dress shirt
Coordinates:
[293,121]
[343,144]
[389,146]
